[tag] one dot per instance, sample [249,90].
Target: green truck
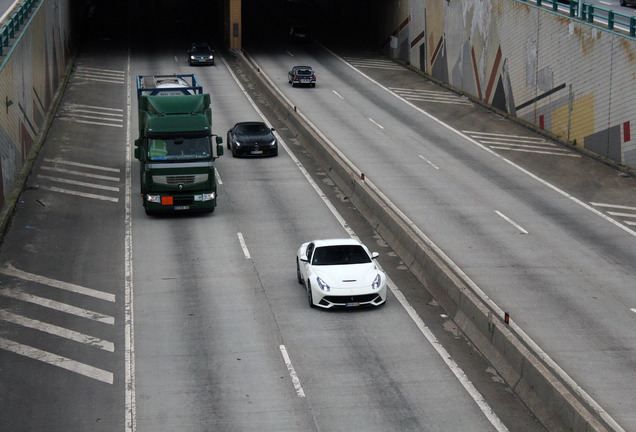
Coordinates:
[175,148]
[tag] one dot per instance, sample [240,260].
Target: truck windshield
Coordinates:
[179,149]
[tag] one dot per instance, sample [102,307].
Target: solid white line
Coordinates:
[633,310]
[429,162]
[79,183]
[130,405]
[511,222]
[544,356]
[56,360]
[77,117]
[81,173]
[58,306]
[73,106]
[292,372]
[90,78]
[376,123]
[81,194]
[243,246]
[616,206]
[535,151]
[9,270]
[112,116]
[337,94]
[290,54]
[89,122]
[79,164]
[112,71]
[57,331]
[619,214]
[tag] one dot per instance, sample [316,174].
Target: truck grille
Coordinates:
[174,180]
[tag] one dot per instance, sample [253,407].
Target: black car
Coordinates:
[302,75]
[200,54]
[252,139]
[299,33]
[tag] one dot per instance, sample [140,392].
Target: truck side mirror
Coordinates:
[219,150]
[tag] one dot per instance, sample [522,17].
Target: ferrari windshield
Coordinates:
[179,149]
[339,255]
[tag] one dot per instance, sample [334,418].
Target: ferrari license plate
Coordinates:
[353,304]
[182,207]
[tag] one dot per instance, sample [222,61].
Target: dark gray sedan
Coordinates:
[252,139]
[200,54]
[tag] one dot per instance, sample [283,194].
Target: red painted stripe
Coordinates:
[476,72]
[417,39]
[494,73]
[626,132]
[542,122]
[437,49]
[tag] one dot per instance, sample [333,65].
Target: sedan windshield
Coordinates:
[252,129]
[179,149]
[339,255]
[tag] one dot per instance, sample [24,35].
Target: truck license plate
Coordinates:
[182,207]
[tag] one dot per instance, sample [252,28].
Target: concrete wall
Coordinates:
[558,74]
[31,72]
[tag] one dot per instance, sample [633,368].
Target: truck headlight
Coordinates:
[153,198]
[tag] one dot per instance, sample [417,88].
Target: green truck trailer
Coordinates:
[176,148]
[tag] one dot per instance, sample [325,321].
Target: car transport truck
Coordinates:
[176,148]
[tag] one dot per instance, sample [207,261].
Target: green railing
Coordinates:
[592,14]
[15,23]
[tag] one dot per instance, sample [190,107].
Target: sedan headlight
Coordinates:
[323,286]
[273,143]
[238,144]
[376,282]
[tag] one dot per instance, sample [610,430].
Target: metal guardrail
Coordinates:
[605,18]
[15,22]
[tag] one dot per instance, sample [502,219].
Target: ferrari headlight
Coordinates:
[376,282]
[323,286]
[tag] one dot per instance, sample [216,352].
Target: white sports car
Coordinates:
[340,273]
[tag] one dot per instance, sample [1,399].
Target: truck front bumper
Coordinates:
[160,203]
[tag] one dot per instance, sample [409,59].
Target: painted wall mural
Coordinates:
[512,56]
[30,73]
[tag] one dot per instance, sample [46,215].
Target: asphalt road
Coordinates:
[113,320]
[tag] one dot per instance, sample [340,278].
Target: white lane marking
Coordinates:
[58,306]
[633,310]
[9,270]
[246,252]
[523,150]
[78,183]
[428,162]
[533,345]
[461,376]
[130,403]
[8,316]
[57,360]
[337,94]
[629,215]
[292,372]
[218,176]
[616,206]
[83,165]
[81,173]
[511,222]
[80,194]
[73,119]
[290,54]
[376,123]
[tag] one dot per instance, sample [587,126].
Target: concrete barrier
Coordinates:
[553,402]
